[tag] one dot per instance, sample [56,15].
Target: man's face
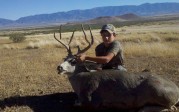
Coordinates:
[107,37]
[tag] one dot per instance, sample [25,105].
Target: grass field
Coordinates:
[29,80]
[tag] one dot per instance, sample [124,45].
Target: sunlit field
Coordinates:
[28,68]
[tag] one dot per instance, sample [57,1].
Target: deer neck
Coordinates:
[87,66]
[80,68]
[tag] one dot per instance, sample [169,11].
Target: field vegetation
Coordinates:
[29,80]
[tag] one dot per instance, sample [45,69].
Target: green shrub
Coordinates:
[17,37]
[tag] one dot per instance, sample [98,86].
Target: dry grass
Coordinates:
[31,72]
[151,49]
[134,42]
[29,68]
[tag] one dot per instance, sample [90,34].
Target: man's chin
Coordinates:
[106,44]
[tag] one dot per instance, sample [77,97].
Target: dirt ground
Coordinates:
[63,101]
[166,66]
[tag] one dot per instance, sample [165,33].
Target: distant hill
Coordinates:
[107,13]
[111,19]
[105,19]
[130,16]
[5,21]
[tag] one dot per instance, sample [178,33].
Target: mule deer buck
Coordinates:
[117,89]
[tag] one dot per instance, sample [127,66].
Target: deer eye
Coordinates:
[73,62]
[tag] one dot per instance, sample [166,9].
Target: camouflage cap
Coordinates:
[109,27]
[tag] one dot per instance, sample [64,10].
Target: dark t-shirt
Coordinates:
[115,48]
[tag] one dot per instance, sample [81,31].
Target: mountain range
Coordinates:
[146,9]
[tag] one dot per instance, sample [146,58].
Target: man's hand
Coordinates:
[81,57]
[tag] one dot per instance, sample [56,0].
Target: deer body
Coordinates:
[115,88]
[123,90]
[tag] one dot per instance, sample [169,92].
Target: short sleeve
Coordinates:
[115,47]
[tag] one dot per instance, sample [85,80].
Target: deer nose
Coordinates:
[59,68]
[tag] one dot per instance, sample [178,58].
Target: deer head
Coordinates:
[70,62]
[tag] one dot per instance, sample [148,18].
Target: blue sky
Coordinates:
[14,9]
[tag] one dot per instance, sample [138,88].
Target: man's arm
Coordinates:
[97,59]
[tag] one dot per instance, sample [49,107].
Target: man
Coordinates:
[109,53]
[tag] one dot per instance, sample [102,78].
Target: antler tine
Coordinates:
[92,38]
[71,37]
[66,46]
[84,33]
[90,44]
[60,31]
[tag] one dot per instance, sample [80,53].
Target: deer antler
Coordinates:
[66,46]
[89,43]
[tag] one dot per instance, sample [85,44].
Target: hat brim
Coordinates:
[107,30]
